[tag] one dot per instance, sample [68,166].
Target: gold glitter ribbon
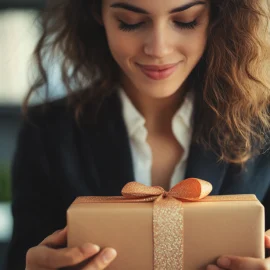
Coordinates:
[168,214]
[168,218]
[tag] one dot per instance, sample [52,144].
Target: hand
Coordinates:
[49,256]
[242,263]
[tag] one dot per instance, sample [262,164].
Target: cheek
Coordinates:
[195,45]
[123,47]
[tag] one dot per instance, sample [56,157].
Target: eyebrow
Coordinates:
[142,11]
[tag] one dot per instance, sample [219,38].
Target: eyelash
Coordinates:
[132,27]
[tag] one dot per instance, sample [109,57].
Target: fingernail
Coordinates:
[224,262]
[109,255]
[89,248]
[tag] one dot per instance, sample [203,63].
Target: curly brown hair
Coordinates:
[232,80]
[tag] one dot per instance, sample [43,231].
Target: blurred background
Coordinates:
[19,32]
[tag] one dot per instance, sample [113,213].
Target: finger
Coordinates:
[43,256]
[58,238]
[267,239]
[242,263]
[102,260]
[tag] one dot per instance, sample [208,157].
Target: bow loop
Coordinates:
[138,190]
[191,189]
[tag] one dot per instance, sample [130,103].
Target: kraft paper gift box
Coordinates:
[180,229]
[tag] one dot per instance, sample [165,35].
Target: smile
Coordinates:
[158,72]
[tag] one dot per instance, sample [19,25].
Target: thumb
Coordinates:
[242,263]
[57,239]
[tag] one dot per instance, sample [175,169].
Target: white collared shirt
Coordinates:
[182,125]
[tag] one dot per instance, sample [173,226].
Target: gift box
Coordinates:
[181,229]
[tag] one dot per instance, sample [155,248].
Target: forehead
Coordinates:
[159,7]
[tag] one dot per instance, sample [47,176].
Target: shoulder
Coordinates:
[51,113]
[46,125]
[60,115]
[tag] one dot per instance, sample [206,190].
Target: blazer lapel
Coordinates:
[204,164]
[110,150]
[111,160]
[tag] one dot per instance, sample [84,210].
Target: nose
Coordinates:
[158,43]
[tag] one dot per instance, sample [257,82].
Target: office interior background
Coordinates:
[19,33]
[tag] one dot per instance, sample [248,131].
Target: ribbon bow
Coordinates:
[168,217]
[191,189]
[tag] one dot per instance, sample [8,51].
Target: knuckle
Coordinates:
[101,262]
[48,259]
[73,256]
[97,263]
[50,262]
[32,259]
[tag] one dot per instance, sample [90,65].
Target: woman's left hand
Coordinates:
[243,263]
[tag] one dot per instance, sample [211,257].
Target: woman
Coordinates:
[167,91]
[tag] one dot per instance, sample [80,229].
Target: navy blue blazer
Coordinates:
[56,160]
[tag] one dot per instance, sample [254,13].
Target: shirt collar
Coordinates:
[185,112]
[132,117]
[134,120]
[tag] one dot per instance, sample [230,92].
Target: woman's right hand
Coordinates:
[49,256]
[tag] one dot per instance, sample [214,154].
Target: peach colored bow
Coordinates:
[191,189]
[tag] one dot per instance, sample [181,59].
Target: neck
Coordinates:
[158,112]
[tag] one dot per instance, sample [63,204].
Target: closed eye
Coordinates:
[129,27]
[190,25]
[132,27]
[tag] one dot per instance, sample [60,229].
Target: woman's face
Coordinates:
[156,43]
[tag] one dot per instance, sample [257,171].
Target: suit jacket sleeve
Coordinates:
[34,204]
[266,203]
[266,199]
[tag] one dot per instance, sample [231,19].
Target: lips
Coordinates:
[158,72]
[157,68]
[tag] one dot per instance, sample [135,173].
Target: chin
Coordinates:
[159,90]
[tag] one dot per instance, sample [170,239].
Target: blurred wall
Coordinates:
[18,35]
